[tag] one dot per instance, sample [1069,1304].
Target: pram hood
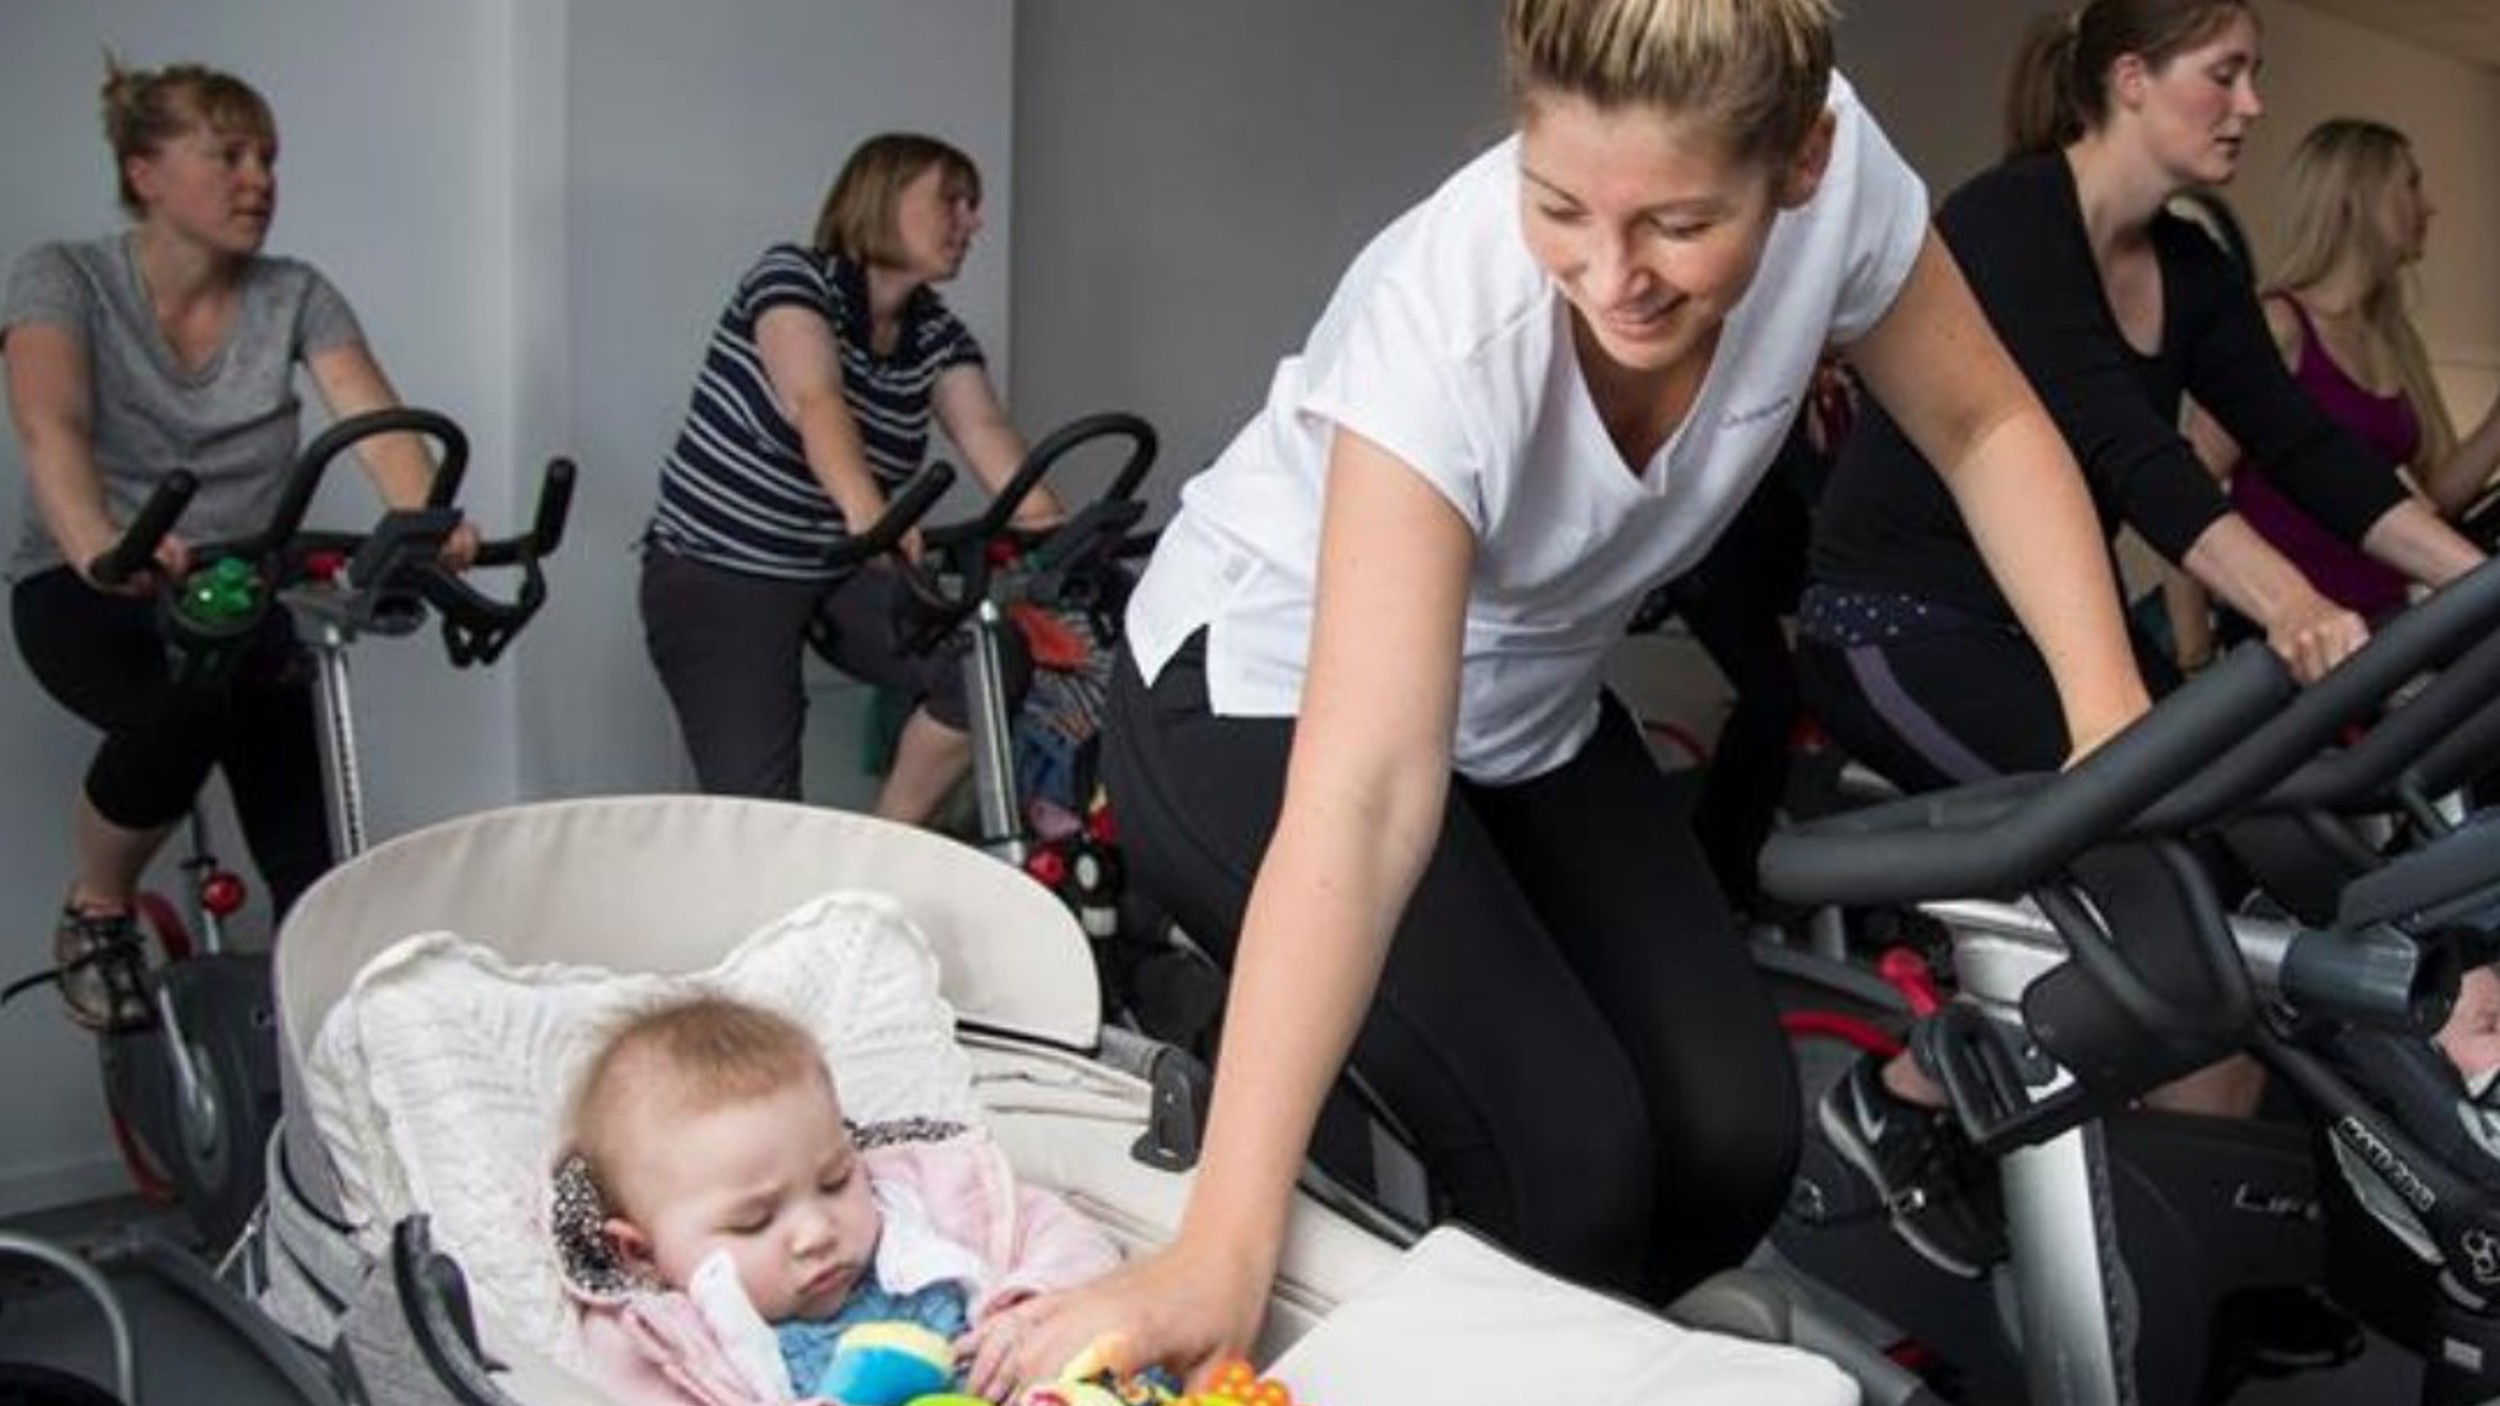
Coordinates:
[667,883]
[635,884]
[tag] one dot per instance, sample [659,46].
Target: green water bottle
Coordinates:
[228,593]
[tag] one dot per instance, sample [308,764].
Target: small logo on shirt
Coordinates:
[1736,419]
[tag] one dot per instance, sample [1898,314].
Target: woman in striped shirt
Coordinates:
[813,403]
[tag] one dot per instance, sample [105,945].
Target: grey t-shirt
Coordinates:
[231,421]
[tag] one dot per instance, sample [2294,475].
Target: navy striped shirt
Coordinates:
[736,490]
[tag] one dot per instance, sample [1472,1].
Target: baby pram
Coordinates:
[667,884]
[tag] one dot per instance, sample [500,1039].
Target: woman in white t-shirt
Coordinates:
[1365,663]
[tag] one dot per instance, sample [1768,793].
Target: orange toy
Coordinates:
[1235,1383]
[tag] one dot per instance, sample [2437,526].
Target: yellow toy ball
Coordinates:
[887,1364]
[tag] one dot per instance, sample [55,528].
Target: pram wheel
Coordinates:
[200,1095]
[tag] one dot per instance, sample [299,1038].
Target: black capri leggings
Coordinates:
[1568,1023]
[728,646]
[102,657]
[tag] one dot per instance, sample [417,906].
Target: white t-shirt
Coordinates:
[1448,346]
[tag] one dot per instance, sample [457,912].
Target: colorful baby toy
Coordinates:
[904,1364]
[1232,1384]
[888,1364]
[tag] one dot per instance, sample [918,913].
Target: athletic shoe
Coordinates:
[1939,1193]
[99,963]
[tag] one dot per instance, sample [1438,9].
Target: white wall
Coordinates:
[1192,178]
[534,207]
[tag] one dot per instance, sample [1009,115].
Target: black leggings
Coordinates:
[1733,602]
[1948,707]
[728,646]
[102,658]
[1568,1024]
[1942,709]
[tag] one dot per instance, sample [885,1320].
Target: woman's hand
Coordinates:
[2471,1038]
[984,1358]
[2311,633]
[460,548]
[2314,634]
[1179,1307]
[172,563]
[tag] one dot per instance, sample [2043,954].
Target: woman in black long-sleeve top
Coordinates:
[2113,310]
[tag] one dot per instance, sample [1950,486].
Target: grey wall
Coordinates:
[1193,177]
[534,207]
[398,194]
[696,134]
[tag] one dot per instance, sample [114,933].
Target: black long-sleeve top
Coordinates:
[1887,521]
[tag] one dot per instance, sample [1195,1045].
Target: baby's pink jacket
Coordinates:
[657,1346]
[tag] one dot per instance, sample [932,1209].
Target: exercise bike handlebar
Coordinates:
[2427,636]
[2400,748]
[476,627]
[2004,836]
[2465,752]
[135,550]
[1040,460]
[2160,776]
[938,608]
[305,475]
[902,512]
[393,566]
[546,532]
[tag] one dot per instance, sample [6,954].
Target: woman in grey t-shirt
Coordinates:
[174,344]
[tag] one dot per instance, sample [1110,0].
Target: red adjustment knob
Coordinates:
[324,567]
[1906,972]
[1100,827]
[222,893]
[1048,867]
[1000,551]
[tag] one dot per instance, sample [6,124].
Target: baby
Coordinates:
[714,1188]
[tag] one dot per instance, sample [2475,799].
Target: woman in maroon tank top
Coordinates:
[2357,221]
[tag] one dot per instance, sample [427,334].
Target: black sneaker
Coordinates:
[1934,1186]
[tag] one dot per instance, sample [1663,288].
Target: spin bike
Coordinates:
[1159,994]
[2095,961]
[973,569]
[193,1089]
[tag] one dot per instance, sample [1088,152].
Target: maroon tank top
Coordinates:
[2386,423]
